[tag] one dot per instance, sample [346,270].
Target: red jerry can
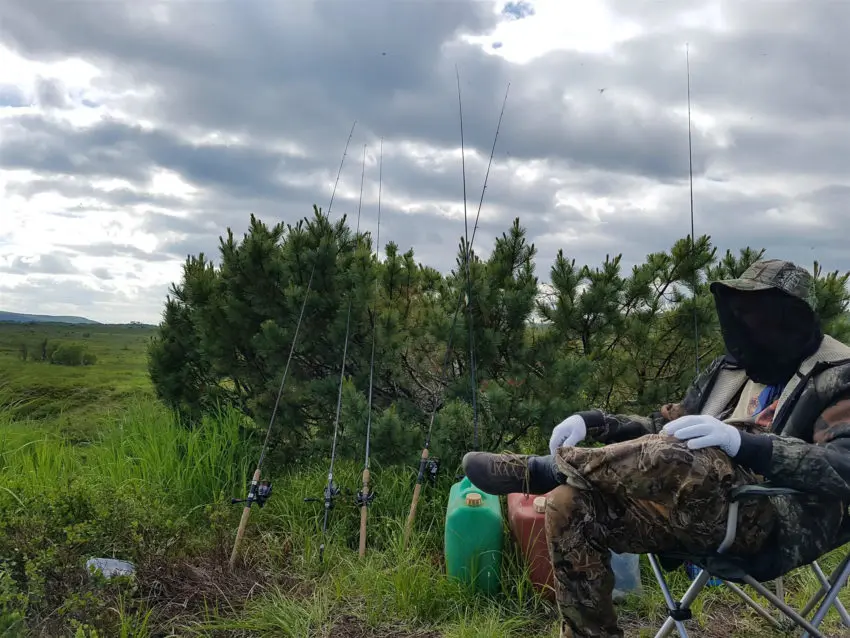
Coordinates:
[527,519]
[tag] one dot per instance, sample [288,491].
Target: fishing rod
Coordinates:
[261,491]
[467,258]
[331,490]
[433,465]
[693,237]
[364,497]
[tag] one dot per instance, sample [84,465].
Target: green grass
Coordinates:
[120,478]
[76,395]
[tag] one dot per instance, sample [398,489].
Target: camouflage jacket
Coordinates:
[806,445]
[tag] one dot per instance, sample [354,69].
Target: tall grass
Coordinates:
[145,448]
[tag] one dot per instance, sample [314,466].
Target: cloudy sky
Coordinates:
[133,134]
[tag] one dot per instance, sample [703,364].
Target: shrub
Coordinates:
[72,354]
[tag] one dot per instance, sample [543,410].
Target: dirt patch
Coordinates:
[180,588]
[352,627]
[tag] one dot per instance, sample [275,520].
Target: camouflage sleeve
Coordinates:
[613,428]
[821,467]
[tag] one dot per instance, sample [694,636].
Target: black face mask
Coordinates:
[767,332]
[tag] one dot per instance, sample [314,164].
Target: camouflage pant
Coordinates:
[649,495]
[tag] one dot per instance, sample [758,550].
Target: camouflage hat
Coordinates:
[775,273]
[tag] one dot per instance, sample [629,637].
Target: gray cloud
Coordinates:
[115,149]
[407,93]
[811,147]
[81,188]
[401,94]
[47,263]
[57,293]
[109,249]
[738,220]
[289,81]
[51,93]
[102,273]
[159,223]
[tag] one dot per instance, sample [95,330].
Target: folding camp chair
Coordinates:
[732,575]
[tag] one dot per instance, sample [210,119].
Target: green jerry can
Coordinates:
[473,540]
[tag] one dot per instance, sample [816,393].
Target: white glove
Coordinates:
[568,433]
[701,430]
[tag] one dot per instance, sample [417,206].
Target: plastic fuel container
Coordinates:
[473,537]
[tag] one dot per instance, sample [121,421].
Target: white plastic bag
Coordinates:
[110,567]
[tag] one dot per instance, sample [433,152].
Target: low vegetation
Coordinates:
[136,457]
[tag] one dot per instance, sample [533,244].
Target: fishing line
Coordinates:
[257,491]
[364,497]
[467,258]
[693,237]
[330,489]
[423,461]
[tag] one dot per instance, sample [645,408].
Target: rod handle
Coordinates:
[243,522]
[408,528]
[364,513]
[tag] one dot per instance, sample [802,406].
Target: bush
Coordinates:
[46,538]
[72,354]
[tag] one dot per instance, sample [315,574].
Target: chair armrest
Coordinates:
[756,491]
[740,493]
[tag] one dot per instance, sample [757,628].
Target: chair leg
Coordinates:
[785,609]
[678,612]
[832,595]
[825,586]
[780,593]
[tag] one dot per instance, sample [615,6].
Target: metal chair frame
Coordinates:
[679,610]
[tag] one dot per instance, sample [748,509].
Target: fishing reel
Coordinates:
[331,491]
[362,500]
[258,493]
[432,470]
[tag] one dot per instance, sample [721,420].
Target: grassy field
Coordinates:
[76,398]
[92,465]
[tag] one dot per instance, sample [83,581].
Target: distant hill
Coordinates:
[14,317]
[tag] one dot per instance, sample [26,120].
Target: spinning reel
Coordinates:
[258,493]
[364,501]
[329,494]
[432,470]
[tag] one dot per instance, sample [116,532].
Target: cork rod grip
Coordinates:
[408,528]
[364,513]
[243,522]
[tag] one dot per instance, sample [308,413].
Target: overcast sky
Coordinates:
[133,134]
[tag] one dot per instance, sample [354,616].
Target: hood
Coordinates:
[767,319]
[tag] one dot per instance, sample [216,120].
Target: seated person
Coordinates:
[776,407]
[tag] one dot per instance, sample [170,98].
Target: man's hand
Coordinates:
[672,411]
[568,433]
[701,431]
